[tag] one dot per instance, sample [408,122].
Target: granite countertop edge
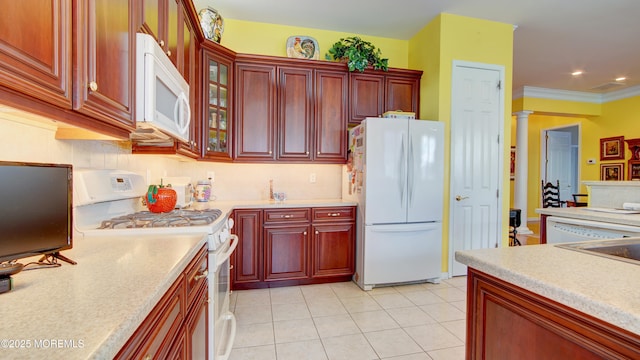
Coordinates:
[615,302]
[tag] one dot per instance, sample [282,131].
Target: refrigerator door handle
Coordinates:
[410,172]
[402,179]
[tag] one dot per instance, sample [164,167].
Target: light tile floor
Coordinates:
[340,321]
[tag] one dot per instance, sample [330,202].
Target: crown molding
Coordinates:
[570,95]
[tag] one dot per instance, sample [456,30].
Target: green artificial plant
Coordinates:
[358,54]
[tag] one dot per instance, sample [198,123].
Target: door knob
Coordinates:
[458,198]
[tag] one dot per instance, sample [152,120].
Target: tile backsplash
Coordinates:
[35,142]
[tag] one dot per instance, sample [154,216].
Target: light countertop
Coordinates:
[584,214]
[89,310]
[227,206]
[604,288]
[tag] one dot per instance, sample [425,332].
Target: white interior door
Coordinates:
[559,162]
[476,159]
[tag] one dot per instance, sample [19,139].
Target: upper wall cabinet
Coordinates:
[105,60]
[217,102]
[290,110]
[331,100]
[375,92]
[256,111]
[167,22]
[35,51]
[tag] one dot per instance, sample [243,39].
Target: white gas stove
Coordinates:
[109,203]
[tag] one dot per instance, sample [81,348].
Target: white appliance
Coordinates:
[162,95]
[109,203]
[184,189]
[563,230]
[399,170]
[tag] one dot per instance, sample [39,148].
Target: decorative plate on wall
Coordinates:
[303,47]
[212,24]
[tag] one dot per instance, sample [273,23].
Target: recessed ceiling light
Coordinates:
[577,73]
[622,78]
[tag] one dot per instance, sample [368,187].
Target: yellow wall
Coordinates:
[270,39]
[617,118]
[452,37]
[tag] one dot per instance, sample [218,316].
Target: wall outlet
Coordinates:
[312,178]
[211,175]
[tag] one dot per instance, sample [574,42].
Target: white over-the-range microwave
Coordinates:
[162,95]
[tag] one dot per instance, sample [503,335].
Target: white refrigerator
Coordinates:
[398,170]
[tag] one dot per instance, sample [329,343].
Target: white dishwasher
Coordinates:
[562,230]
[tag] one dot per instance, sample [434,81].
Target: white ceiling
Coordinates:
[552,39]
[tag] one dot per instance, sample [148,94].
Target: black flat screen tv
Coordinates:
[35,209]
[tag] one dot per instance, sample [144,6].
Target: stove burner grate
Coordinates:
[175,218]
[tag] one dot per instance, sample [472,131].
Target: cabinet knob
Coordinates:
[147,357]
[202,275]
[93,86]
[306,153]
[318,153]
[208,148]
[304,233]
[168,52]
[334,214]
[317,232]
[287,216]
[270,152]
[161,42]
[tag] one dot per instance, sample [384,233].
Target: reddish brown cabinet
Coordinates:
[507,322]
[333,246]
[375,92]
[295,113]
[104,59]
[366,96]
[286,244]
[289,246]
[165,19]
[35,52]
[290,110]
[246,259]
[402,92]
[255,97]
[177,326]
[217,102]
[331,109]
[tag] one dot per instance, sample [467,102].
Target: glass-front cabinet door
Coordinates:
[217,124]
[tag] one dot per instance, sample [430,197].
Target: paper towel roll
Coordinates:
[631,206]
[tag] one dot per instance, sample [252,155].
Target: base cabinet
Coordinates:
[177,326]
[332,251]
[293,246]
[508,322]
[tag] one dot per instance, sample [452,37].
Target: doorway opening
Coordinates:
[560,159]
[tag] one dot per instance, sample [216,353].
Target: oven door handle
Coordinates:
[227,254]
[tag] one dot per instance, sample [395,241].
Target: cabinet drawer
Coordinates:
[159,330]
[347,213]
[286,215]
[196,274]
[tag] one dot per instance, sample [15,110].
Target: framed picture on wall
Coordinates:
[612,148]
[612,172]
[634,170]
[513,163]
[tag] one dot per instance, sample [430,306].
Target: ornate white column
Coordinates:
[522,166]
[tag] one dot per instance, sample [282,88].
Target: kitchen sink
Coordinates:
[627,250]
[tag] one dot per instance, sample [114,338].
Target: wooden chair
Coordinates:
[551,195]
